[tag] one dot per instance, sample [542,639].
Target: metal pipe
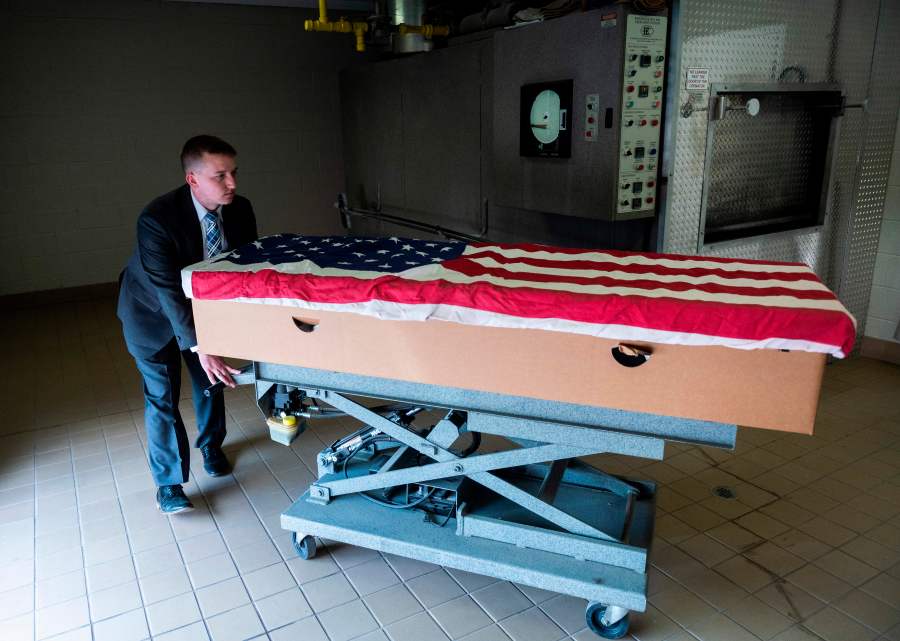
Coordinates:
[427,30]
[343,25]
[346,211]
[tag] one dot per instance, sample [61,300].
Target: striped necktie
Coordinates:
[213,236]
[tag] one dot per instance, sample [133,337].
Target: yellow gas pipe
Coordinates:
[427,30]
[340,26]
[359,29]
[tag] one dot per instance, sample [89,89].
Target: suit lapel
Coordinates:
[230,226]
[191,225]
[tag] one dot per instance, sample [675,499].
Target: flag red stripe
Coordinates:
[470,268]
[746,322]
[640,268]
[528,247]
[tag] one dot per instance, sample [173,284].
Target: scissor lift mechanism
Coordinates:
[534,514]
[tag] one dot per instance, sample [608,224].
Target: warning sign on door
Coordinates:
[697,79]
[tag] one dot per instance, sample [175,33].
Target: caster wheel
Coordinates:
[594,617]
[305,547]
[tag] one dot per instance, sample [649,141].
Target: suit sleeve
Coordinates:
[158,256]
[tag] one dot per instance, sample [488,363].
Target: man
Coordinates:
[196,221]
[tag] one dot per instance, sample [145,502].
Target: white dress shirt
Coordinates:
[201,214]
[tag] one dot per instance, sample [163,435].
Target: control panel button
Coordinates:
[626,186]
[629,104]
[632,73]
[645,60]
[657,74]
[652,151]
[633,57]
[654,122]
[638,153]
[629,88]
[589,134]
[643,122]
[639,167]
[636,188]
[657,89]
[649,199]
[591,119]
[651,183]
[643,91]
[635,203]
[628,123]
[660,58]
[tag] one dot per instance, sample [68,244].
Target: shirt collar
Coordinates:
[202,211]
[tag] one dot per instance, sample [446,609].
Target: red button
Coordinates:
[643,122]
[590,120]
[639,167]
[658,74]
[630,88]
[650,183]
[587,134]
[649,199]
[654,122]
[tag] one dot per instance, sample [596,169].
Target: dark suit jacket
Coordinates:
[152,305]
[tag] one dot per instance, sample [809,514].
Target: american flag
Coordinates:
[627,296]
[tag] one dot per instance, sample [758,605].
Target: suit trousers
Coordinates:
[167,441]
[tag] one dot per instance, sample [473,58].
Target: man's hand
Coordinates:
[217,369]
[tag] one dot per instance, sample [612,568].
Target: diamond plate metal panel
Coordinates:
[819,41]
[864,229]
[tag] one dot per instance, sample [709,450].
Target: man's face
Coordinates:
[213,180]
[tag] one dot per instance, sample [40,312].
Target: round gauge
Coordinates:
[545,116]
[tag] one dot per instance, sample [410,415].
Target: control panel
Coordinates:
[642,100]
[591,110]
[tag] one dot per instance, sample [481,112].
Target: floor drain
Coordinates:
[724,492]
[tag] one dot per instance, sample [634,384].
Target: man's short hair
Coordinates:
[194,149]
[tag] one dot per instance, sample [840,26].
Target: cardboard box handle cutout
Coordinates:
[630,355]
[306,325]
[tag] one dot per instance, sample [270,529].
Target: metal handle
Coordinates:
[246,377]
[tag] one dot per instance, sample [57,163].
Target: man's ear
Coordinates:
[190,179]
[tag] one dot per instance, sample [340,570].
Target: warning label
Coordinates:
[697,79]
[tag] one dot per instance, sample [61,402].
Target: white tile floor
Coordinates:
[808,549]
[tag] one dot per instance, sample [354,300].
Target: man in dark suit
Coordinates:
[196,221]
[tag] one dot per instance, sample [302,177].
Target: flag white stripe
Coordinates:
[431,272]
[691,263]
[298,268]
[802,285]
[385,310]
[426,273]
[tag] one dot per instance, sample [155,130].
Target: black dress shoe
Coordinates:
[214,461]
[170,499]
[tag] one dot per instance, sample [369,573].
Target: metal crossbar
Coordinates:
[479,468]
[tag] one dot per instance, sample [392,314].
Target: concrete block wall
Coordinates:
[97,97]
[884,305]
